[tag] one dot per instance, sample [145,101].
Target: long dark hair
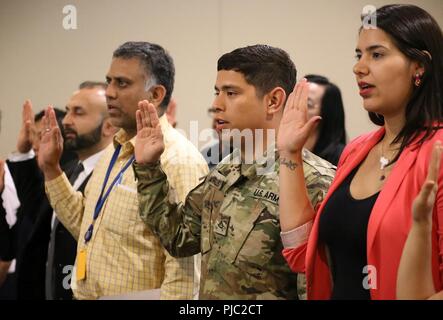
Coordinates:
[332,131]
[415,31]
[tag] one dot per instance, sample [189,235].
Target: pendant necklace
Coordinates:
[384,162]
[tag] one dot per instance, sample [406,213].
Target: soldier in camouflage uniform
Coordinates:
[232,217]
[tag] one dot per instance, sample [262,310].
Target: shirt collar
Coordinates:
[122,138]
[262,165]
[164,123]
[90,162]
[127,144]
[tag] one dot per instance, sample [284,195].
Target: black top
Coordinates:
[31,233]
[343,229]
[6,249]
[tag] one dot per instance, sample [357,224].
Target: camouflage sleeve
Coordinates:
[177,225]
[318,179]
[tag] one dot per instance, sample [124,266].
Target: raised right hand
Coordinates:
[425,200]
[24,140]
[294,127]
[149,144]
[51,146]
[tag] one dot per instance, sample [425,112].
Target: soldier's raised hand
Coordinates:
[24,140]
[51,146]
[294,127]
[149,144]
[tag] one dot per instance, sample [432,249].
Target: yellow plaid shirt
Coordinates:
[124,255]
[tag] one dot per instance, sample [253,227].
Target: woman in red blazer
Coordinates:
[350,247]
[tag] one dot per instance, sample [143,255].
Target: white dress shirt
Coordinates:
[11,203]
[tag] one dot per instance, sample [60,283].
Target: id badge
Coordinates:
[81,265]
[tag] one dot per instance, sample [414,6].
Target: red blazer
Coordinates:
[388,226]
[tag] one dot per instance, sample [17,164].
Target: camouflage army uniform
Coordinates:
[232,218]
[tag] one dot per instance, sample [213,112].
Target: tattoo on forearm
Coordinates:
[288,163]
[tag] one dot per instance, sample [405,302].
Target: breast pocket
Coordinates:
[121,212]
[253,241]
[210,210]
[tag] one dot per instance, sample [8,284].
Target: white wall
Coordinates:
[42,61]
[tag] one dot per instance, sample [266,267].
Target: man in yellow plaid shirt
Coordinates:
[117,253]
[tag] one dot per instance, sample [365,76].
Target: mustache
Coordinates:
[68,130]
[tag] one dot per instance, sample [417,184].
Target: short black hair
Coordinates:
[157,62]
[263,66]
[92,85]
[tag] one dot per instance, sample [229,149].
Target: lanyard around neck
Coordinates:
[102,198]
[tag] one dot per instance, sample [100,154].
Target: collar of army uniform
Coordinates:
[265,160]
[229,168]
[235,168]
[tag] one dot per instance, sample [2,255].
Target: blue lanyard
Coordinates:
[102,198]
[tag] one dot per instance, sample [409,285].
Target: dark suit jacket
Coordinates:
[6,253]
[32,232]
[65,250]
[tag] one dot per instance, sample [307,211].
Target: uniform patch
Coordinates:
[266,195]
[222,226]
[215,182]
